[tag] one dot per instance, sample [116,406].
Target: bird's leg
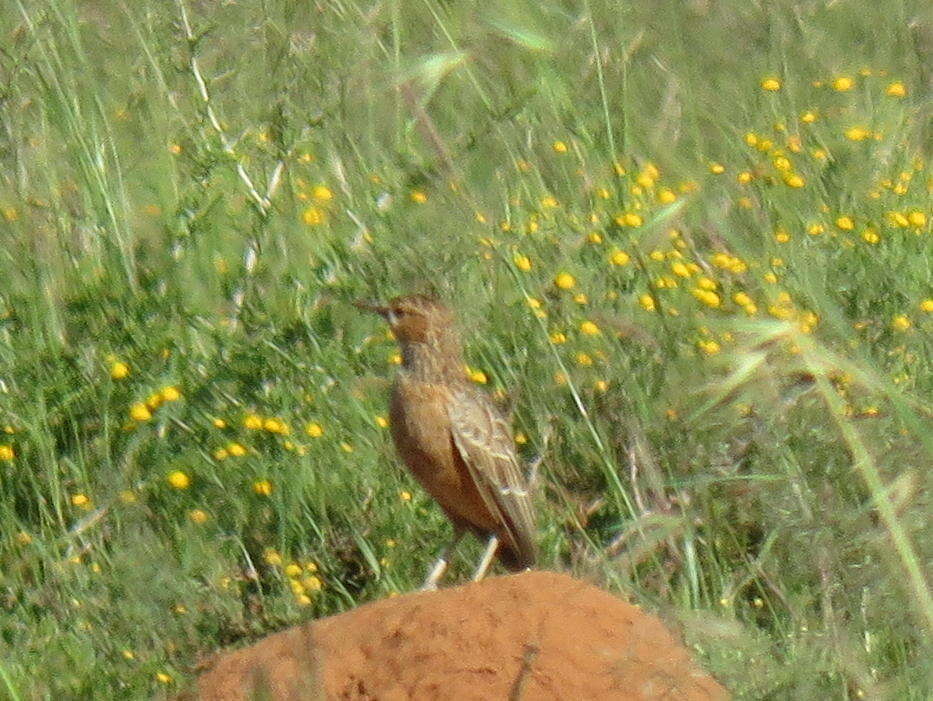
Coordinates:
[491,546]
[440,566]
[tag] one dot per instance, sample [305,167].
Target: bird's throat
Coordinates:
[433,362]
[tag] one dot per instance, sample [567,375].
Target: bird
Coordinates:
[453,438]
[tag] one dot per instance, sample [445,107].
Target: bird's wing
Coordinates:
[484,441]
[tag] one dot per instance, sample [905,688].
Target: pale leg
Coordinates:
[491,546]
[440,566]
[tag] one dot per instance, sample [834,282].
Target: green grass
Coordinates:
[761,480]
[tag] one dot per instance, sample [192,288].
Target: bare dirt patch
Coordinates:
[537,635]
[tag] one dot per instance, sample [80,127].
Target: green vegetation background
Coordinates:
[734,195]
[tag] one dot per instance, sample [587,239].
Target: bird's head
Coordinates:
[414,318]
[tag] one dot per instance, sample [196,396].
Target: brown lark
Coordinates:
[453,439]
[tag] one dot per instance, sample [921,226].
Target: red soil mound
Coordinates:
[537,635]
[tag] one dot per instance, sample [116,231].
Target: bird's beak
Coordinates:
[379,309]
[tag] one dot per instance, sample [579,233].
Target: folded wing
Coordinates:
[483,440]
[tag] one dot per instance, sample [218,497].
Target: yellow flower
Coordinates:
[262,487]
[522,262]
[870,235]
[580,298]
[896,89]
[478,376]
[857,133]
[781,236]
[559,147]
[314,216]
[171,394]
[237,450]
[7,453]
[140,412]
[709,298]
[292,570]
[898,219]
[629,219]
[589,328]
[346,447]
[404,495]
[565,281]
[901,322]
[311,583]
[845,222]
[322,193]
[794,180]
[815,229]
[253,422]
[744,177]
[680,269]
[274,425]
[272,557]
[80,500]
[549,202]
[771,84]
[594,237]
[163,678]
[558,338]
[808,117]
[119,370]
[926,305]
[917,218]
[666,195]
[619,257]
[219,423]
[647,302]
[583,359]
[717,168]
[770,277]
[419,196]
[843,84]
[198,516]
[315,430]
[381,421]
[178,479]
[709,347]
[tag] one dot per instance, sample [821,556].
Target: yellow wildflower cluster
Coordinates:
[303,578]
[270,424]
[142,411]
